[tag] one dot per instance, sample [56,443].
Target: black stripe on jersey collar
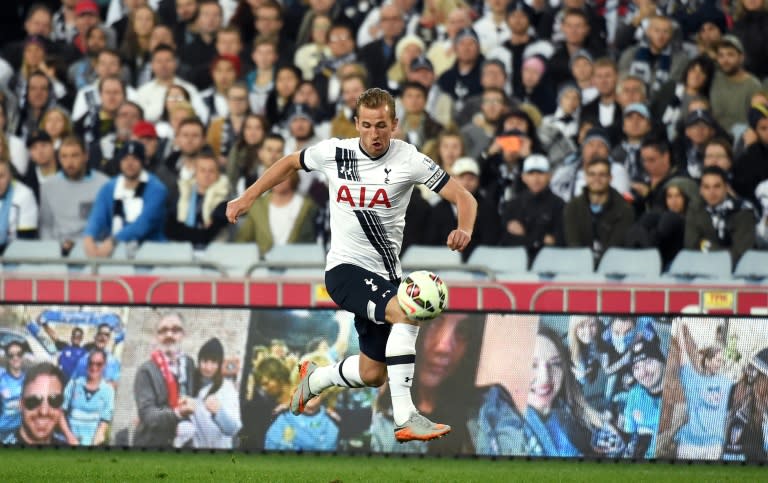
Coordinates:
[371,157]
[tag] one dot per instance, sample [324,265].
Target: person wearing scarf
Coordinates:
[724,222]
[164,387]
[653,60]
[128,208]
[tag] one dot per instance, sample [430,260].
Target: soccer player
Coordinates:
[370,181]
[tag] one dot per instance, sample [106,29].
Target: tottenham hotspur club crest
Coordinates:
[369,282]
[386,175]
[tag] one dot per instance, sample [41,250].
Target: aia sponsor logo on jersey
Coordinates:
[364,198]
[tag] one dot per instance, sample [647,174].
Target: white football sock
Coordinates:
[345,373]
[401,358]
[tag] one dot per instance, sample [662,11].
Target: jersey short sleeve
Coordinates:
[316,157]
[427,172]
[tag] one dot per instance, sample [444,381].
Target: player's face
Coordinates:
[648,373]
[546,375]
[208,369]
[41,408]
[445,344]
[375,126]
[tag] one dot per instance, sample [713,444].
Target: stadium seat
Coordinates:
[620,263]
[297,255]
[553,261]
[752,267]
[693,265]
[23,251]
[181,271]
[78,252]
[235,258]
[117,269]
[165,251]
[500,260]
[42,268]
[430,257]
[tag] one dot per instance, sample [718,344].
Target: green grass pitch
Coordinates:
[81,465]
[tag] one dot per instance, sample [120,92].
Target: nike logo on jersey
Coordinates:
[408,379]
[369,282]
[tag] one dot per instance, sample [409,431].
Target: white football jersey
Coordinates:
[368,199]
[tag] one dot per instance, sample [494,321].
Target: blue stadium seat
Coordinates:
[430,257]
[28,250]
[235,258]
[633,263]
[694,265]
[502,261]
[551,262]
[752,267]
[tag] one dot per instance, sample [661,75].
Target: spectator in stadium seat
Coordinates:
[246,158]
[182,19]
[309,55]
[197,49]
[582,70]
[462,79]
[654,59]
[300,128]
[751,168]
[480,129]
[107,64]
[280,99]
[151,95]
[89,402]
[270,22]
[492,27]
[700,128]
[137,25]
[636,126]
[82,72]
[42,418]
[261,80]
[11,382]
[408,48]
[341,42]
[670,103]
[281,217]
[224,131]
[146,134]
[723,222]
[18,208]
[751,28]
[576,30]
[439,104]
[38,98]
[164,386]
[100,120]
[180,164]
[67,199]
[198,214]
[225,70]
[87,16]
[101,155]
[605,111]
[416,125]
[379,55]
[537,86]
[492,76]
[599,217]
[718,152]
[44,164]
[569,180]
[710,26]
[535,218]
[141,73]
[58,125]
[343,124]
[128,208]
[564,122]
[521,34]
[37,23]
[17,151]
[733,86]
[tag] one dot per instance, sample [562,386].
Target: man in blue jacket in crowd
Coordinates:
[129,208]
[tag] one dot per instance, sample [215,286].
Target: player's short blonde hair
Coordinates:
[376,98]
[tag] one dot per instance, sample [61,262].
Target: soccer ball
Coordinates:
[422,295]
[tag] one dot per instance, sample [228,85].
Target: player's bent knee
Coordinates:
[395,314]
[374,376]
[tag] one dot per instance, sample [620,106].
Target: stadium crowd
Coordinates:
[575,122]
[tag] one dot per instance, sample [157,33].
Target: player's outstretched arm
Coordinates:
[271,177]
[466,207]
